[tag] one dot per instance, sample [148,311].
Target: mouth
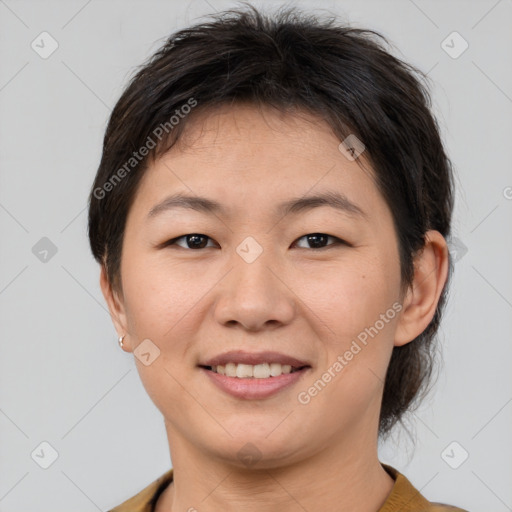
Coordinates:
[257,371]
[258,365]
[254,382]
[253,376]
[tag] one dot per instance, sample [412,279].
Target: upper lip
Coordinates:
[239,356]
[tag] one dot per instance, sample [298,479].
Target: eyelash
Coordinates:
[338,241]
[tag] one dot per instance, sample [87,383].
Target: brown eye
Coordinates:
[319,240]
[191,241]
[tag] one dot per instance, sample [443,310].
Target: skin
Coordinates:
[294,298]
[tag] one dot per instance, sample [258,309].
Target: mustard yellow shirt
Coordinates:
[403,497]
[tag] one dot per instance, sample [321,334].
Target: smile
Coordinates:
[254,387]
[257,371]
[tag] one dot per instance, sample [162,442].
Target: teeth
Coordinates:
[258,371]
[276,369]
[261,371]
[243,371]
[230,370]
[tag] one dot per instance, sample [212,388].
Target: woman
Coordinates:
[270,215]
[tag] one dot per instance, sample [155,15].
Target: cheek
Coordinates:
[357,348]
[357,308]
[349,296]
[159,297]
[160,302]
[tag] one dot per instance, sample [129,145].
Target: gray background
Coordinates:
[63,378]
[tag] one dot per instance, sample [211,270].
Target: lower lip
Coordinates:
[251,388]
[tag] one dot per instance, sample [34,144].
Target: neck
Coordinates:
[344,477]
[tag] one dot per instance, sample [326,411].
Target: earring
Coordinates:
[121,338]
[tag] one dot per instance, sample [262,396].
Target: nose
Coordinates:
[255,296]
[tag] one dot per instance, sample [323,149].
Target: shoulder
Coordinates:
[439,507]
[144,500]
[404,497]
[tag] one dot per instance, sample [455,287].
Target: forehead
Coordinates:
[249,158]
[249,128]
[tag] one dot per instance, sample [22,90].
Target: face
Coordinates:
[318,282]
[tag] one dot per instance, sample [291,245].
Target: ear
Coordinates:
[430,273]
[115,306]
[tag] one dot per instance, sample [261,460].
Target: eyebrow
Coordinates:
[332,199]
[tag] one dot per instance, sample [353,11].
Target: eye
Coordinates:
[200,241]
[318,240]
[191,241]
